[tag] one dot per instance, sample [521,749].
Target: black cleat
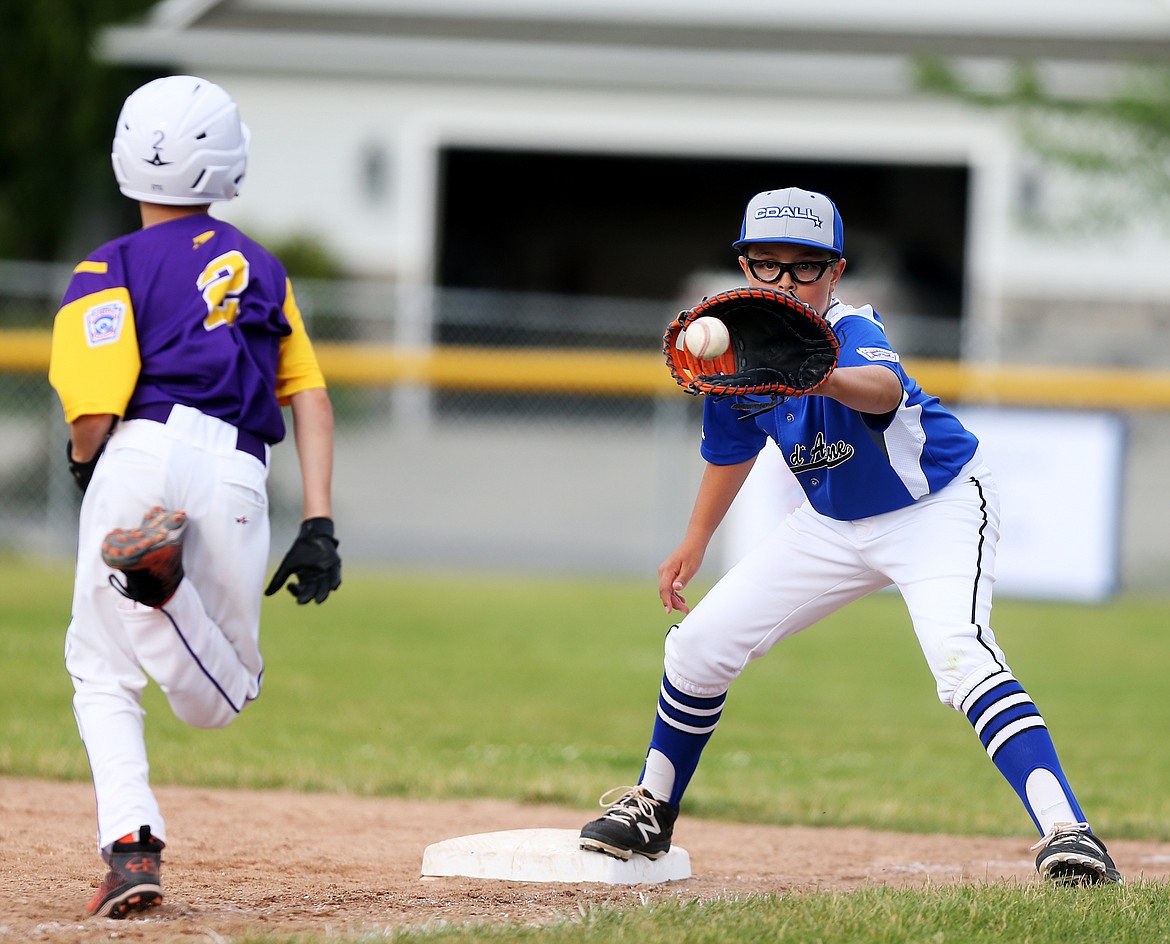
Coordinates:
[134,881]
[635,823]
[149,556]
[1071,855]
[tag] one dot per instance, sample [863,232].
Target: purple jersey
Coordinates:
[190,311]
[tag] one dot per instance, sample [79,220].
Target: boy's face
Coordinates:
[763,262]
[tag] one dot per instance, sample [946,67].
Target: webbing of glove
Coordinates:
[779,346]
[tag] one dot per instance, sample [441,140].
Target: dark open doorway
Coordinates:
[642,227]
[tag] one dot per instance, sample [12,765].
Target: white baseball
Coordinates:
[706,338]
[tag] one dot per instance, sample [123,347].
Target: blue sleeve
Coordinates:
[863,342]
[726,438]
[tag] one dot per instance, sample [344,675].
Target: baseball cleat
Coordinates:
[637,822]
[150,556]
[1071,855]
[134,881]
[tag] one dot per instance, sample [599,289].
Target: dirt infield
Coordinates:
[280,863]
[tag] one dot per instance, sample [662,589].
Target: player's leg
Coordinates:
[108,685]
[756,604]
[110,719]
[108,681]
[194,664]
[201,646]
[941,554]
[228,556]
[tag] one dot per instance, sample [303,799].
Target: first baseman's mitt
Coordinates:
[780,347]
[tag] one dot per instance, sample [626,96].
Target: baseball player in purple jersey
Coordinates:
[173,351]
[896,493]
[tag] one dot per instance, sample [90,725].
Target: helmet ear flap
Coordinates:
[119,171]
[179,141]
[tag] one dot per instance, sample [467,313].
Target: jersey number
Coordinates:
[222,283]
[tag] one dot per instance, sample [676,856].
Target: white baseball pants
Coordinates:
[939,552]
[202,647]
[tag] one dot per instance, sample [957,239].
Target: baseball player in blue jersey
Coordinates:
[173,351]
[896,492]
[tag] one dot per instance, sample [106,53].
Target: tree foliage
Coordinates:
[60,105]
[1115,145]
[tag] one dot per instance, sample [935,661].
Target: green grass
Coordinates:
[451,686]
[964,914]
[544,690]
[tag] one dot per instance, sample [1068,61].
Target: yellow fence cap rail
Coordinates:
[643,373]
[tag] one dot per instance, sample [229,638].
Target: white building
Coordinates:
[607,147]
[558,145]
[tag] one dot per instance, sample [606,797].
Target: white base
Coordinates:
[546,855]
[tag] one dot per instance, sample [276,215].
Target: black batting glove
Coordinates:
[82,472]
[313,560]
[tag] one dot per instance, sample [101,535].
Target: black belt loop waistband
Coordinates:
[161,412]
[252,445]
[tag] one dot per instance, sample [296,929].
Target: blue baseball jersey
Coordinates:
[189,311]
[851,465]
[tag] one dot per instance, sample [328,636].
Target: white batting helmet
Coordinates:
[180,142]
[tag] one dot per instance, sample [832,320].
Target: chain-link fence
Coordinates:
[467,475]
[424,477]
[496,477]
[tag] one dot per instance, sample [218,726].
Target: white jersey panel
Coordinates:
[905,440]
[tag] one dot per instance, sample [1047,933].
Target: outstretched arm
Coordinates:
[867,389]
[717,490]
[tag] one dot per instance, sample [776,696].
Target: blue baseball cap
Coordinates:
[792,216]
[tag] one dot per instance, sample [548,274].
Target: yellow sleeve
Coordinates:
[94,360]
[297,369]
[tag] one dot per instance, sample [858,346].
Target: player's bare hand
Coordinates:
[673,576]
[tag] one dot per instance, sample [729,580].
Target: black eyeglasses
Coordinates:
[767,270]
